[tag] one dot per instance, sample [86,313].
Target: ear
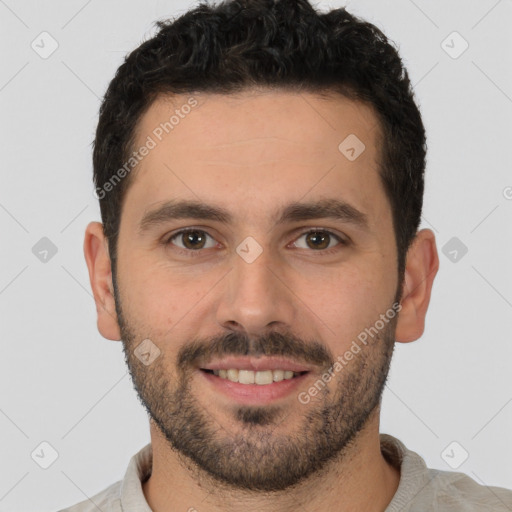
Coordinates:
[100,275]
[420,270]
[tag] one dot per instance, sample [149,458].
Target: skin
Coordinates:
[252,154]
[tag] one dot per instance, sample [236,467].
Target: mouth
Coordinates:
[262,377]
[255,380]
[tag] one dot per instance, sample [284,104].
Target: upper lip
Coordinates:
[256,364]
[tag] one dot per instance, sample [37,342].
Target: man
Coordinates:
[259,167]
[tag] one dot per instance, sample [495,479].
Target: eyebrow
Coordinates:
[334,209]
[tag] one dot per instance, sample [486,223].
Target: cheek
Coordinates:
[157,296]
[348,300]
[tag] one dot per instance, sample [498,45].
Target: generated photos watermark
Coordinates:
[151,142]
[304,397]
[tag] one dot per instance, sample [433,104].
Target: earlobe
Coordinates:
[100,276]
[420,270]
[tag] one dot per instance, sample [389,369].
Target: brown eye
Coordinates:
[191,239]
[319,240]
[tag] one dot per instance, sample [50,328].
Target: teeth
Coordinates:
[264,377]
[278,375]
[233,375]
[250,377]
[245,376]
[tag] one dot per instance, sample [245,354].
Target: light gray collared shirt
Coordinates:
[420,488]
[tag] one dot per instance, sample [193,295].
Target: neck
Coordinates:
[361,479]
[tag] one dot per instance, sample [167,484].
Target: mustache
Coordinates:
[274,343]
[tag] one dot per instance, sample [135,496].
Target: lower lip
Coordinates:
[255,393]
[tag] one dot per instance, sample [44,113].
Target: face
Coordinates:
[288,259]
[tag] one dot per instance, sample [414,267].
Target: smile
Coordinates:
[255,377]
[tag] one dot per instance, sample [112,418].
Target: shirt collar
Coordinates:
[139,470]
[412,475]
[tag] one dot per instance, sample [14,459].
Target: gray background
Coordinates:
[64,384]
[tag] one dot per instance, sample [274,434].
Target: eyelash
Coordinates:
[191,253]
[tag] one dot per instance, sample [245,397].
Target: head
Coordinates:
[250,123]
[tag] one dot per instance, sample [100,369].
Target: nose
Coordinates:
[256,297]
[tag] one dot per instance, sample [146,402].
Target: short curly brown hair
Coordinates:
[280,44]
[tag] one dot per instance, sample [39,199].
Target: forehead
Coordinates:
[257,148]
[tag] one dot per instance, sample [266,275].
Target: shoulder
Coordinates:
[454,491]
[422,488]
[107,500]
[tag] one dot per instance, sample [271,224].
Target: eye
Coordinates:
[191,239]
[320,240]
